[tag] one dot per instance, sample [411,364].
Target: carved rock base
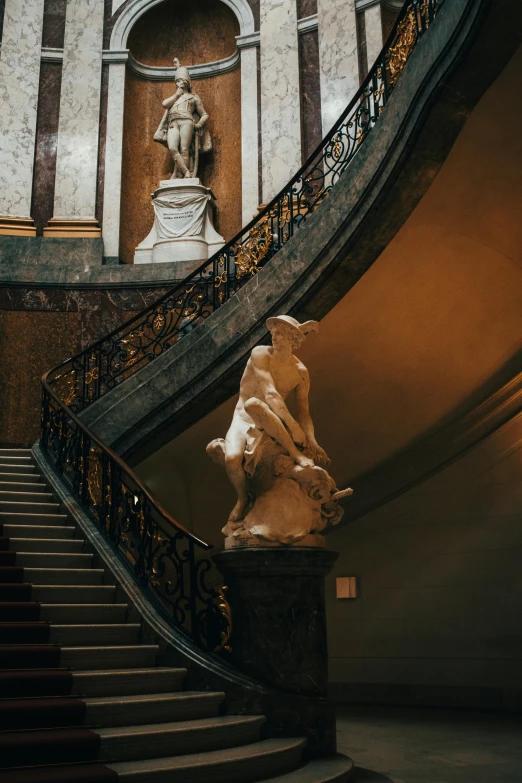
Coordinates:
[247,539]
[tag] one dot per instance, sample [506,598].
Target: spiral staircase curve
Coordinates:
[300,255]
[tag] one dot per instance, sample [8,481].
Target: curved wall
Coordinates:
[431,329]
[195,33]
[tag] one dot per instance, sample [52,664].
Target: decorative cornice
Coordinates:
[115,56]
[167,74]
[307,24]
[50,55]
[248,40]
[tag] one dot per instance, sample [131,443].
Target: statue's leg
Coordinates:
[186,131]
[265,419]
[174,142]
[235,443]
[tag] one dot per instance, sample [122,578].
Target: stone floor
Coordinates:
[408,745]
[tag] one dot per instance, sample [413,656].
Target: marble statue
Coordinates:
[284,493]
[183,128]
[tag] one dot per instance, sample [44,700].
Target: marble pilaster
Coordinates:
[249,134]
[374,36]
[19,80]
[338,57]
[280,101]
[77,157]
[113,159]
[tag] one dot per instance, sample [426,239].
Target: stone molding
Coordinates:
[166,74]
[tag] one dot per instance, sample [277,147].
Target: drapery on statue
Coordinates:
[284,494]
[183,128]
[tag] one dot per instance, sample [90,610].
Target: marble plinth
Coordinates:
[183,230]
[278,614]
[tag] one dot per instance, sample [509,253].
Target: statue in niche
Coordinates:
[284,494]
[183,128]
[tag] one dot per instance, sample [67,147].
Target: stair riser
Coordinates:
[71,594]
[107,658]
[15,453]
[65,576]
[30,531]
[14,484]
[161,745]
[38,520]
[73,636]
[53,560]
[20,496]
[146,713]
[40,546]
[26,506]
[11,467]
[127,683]
[87,613]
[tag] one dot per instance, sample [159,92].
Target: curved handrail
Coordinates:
[166,563]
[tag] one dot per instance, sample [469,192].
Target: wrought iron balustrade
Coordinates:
[168,560]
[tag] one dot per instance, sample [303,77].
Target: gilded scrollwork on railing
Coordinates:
[400,50]
[251,253]
[226,612]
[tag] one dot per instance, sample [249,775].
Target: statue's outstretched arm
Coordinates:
[168,102]
[305,420]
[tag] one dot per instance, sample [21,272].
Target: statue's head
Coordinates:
[182,76]
[184,84]
[284,328]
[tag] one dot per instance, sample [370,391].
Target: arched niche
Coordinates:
[203,31]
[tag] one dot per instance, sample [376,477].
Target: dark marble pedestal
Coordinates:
[279,633]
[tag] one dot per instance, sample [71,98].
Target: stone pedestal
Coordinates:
[279,633]
[183,231]
[279,622]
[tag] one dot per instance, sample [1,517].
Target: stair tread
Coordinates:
[156,697]
[61,626]
[329,769]
[247,752]
[31,569]
[131,670]
[118,647]
[181,725]
[48,605]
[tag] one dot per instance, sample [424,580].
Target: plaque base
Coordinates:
[183,231]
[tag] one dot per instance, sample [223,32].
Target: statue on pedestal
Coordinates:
[284,493]
[183,128]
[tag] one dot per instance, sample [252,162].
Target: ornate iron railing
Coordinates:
[163,555]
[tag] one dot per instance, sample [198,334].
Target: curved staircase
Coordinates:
[81,696]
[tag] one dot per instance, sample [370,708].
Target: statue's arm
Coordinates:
[168,102]
[203,116]
[265,382]
[305,420]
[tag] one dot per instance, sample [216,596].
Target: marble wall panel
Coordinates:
[306,8]
[102,143]
[112,160]
[54,23]
[46,142]
[373,25]
[19,81]
[195,34]
[339,66]
[280,101]
[2,10]
[249,134]
[310,91]
[76,169]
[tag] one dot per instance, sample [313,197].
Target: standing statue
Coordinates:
[284,494]
[183,128]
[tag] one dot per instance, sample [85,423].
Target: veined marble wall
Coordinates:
[77,157]
[19,78]
[280,101]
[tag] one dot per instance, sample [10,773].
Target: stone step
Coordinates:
[37,531]
[117,657]
[85,614]
[14,484]
[19,477]
[16,459]
[54,559]
[89,634]
[14,496]
[44,545]
[15,452]
[244,764]
[73,594]
[24,518]
[64,576]
[151,708]
[330,769]
[10,467]
[26,507]
[127,682]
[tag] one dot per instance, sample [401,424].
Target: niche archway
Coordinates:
[203,32]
